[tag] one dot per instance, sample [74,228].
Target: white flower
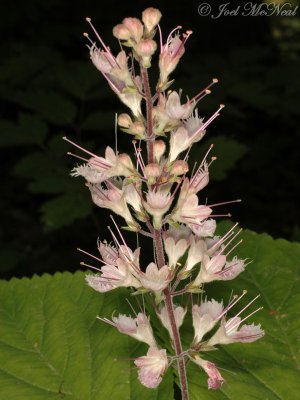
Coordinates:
[139,328]
[176,242]
[89,173]
[170,55]
[187,209]
[113,199]
[108,252]
[174,108]
[113,276]
[199,180]
[205,317]
[133,197]
[179,314]
[155,279]
[157,204]
[204,229]
[195,254]
[152,367]
[217,269]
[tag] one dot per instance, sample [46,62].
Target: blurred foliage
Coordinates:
[48,89]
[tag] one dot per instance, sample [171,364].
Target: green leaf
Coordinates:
[52,346]
[269,368]
[51,105]
[228,152]
[30,129]
[65,209]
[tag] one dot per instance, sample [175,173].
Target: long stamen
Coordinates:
[160,38]
[224,202]
[185,38]
[97,159]
[213,82]
[230,241]
[234,247]
[100,39]
[171,33]
[122,238]
[90,266]
[225,237]
[202,163]
[130,305]
[248,305]
[232,328]
[90,255]
[76,156]
[214,116]
[234,300]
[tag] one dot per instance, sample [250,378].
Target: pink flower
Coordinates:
[174,108]
[187,209]
[112,277]
[98,169]
[195,254]
[170,55]
[157,204]
[152,367]
[176,242]
[179,314]
[215,379]
[114,199]
[156,279]
[108,252]
[216,268]
[229,333]
[139,328]
[205,317]
[204,229]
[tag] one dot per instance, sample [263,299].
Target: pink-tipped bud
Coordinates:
[179,167]
[124,120]
[135,28]
[151,17]
[125,160]
[152,170]
[159,147]
[145,49]
[121,32]
[138,128]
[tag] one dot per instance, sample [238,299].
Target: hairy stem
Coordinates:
[149,106]
[170,309]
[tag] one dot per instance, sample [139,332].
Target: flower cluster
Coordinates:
[154,195]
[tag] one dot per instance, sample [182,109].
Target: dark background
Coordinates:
[49,88]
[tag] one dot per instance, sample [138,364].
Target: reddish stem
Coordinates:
[149,106]
[170,309]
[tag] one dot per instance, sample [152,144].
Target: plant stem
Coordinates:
[170,309]
[149,106]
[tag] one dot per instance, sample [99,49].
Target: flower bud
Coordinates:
[145,49]
[152,171]
[124,120]
[121,32]
[125,160]
[135,28]
[179,167]
[159,147]
[151,17]
[138,128]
